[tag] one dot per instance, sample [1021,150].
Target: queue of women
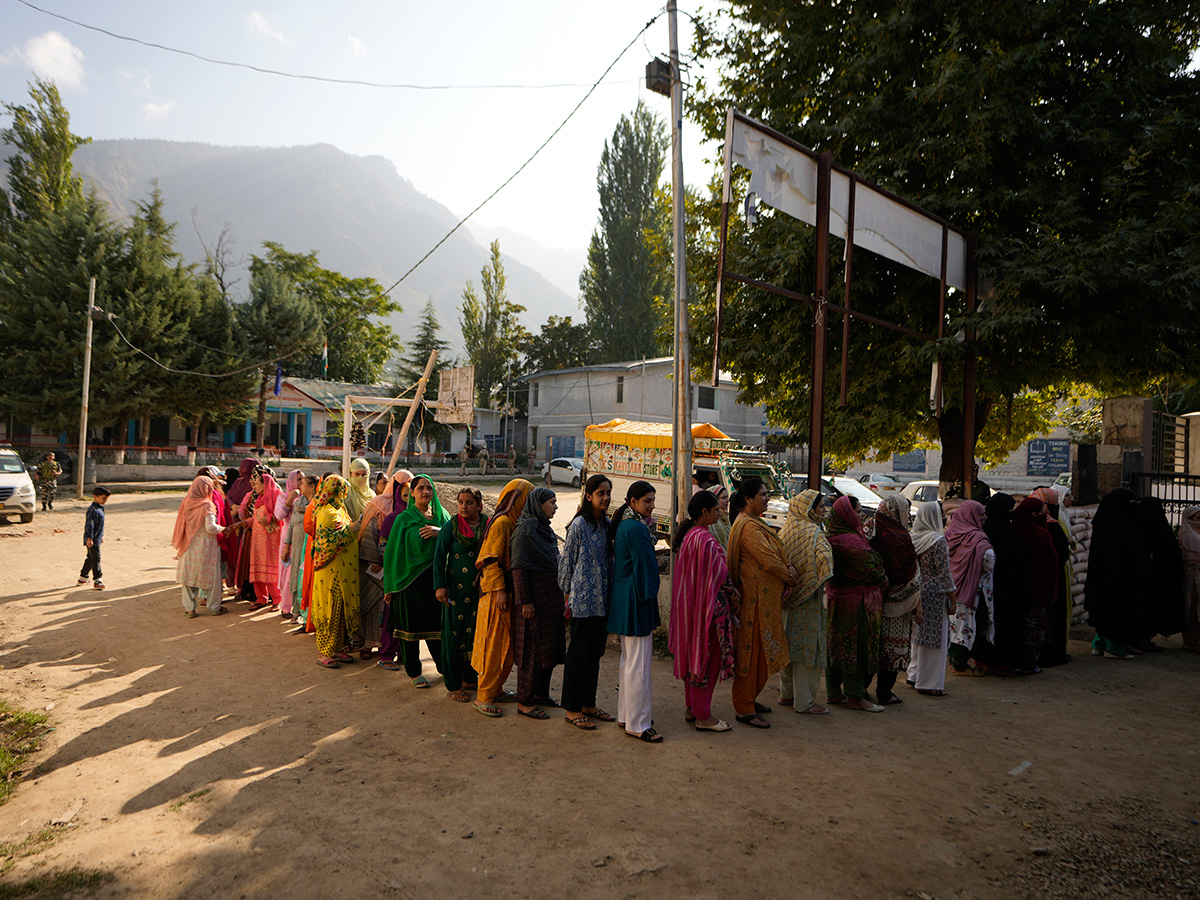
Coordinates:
[377,570]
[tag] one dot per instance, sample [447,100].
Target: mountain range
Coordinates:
[357,212]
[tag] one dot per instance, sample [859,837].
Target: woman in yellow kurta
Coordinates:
[492,654]
[334,609]
[760,570]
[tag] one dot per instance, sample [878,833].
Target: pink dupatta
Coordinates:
[700,572]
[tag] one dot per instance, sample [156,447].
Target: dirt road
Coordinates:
[213,758]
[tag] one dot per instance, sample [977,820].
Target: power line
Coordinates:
[355,82]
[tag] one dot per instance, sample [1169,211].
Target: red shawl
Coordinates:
[968,544]
[1042,565]
[700,572]
[894,544]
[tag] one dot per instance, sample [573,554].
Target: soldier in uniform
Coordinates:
[532,459]
[48,473]
[483,460]
[463,456]
[512,460]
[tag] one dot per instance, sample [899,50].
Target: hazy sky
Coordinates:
[456,146]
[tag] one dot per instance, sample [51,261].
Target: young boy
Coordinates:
[93,536]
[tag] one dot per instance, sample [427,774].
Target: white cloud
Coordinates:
[156,112]
[138,79]
[258,24]
[53,57]
[357,47]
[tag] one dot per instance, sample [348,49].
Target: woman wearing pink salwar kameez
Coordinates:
[264,537]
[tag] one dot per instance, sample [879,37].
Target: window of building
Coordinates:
[535,393]
[620,388]
[708,397]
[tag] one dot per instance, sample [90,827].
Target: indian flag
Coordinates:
[325,359]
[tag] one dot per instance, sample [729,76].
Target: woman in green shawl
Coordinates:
[408,578]
[454,555]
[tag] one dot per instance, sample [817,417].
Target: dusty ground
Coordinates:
[213,758]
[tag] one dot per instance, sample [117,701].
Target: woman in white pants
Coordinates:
[633,612]
[931,637]
[195,540]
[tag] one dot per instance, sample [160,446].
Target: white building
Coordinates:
[563,402]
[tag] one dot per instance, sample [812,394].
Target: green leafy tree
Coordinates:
[277,322]
[491,333]
[1062,131]
[41,179]
[621,287]
[359,348]
[561,344]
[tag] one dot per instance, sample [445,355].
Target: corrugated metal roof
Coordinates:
[332,394]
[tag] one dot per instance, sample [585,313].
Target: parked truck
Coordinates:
[641,451]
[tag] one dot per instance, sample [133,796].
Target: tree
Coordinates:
[425,340]
[490,330]
[41,179]
[1062,131]
[561,344]
[621,287]
[358,347]
[277,322]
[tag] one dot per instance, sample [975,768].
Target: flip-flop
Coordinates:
[582,722]
[786,701]
[390,665]
[761,708]
[719,725]
[219,611]
[420,682]
[872,708]
[491,712]
[459,696]
[343,657]
[190,614]
[601,716]
[754,721]
[536,713]
[814,709]
[650,736]
[891,701]
[329,663]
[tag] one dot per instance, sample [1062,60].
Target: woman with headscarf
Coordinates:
[539,633]
[902,599]
[972,562]
[931,638]
[195,541]
[720,528]
[585,578]
[1118,576]
[492,655]
[360,488]
[1059,528]
[225,540]
[384,513]
[762,573]
[454,585]
[633,611]
[701,629]
[854,594]
[370,575]
[258,508]
[334,608]
[809,553]
[1165,614]
[408,577]
[310,537]
[285,508]
[1041,583]
[1189,544]
[293,548]
[1002,656]
[237,491]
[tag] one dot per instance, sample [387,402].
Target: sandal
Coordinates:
[492,712]
[190,614]
[460,696]
[719,725]
[867,706]
[364,653]
[600,715]
[219,611]
[650,736]
[891,701]
[548,702]
[506,697]
[931,693]
[420,682]
[536,713]
[754,721]
[814,709]
[329,663]
[581,721]
[836,698]
[343,657]
[390,664]
[786,701]
[761,708]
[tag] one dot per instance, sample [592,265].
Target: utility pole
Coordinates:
[681,461]
[87,382]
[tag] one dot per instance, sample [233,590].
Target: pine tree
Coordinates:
[425,340]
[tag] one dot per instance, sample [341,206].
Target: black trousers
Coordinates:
[410,652]
[581,669]
[92,563]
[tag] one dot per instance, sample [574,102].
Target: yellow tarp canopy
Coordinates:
[646,434]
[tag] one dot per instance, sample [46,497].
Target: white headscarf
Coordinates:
[928,528]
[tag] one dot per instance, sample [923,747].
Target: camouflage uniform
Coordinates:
[48,473]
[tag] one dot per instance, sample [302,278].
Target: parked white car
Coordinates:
[918,492]
[834,486]
[881,483]
[1062,487]
[563,470]
[17,495]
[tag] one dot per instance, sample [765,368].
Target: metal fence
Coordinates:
[1177,492]
[1169,443]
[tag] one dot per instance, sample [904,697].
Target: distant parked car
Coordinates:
[563,470]
[17,497]
[1062,487]
[917,492]
[881,483]
[834,486]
